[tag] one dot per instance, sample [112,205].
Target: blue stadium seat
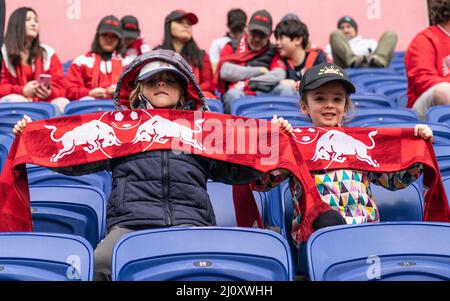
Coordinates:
[398,56]
[215,105]
[371,101]
[6,140]
[7,123]
[205,254]
[89,106]
[392,91]
[221,196]
[441,132]
[446,181]
[375,117]
[402,101]
[399,67]
[66,66]
[45,257]
[374,82]
[439,114]
[36,110]
[43,176]
[403,250]
[360,90]
[443,158]
[358,73]
[70,209]
[294,117]
[400,205]
[252,104]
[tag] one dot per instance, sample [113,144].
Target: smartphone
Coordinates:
[45,79]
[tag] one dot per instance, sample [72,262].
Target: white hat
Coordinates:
[156,67]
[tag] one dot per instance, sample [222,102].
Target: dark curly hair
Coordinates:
[439,11]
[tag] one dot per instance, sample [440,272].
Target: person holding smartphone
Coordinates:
[31,71]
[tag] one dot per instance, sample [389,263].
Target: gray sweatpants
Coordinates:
[344,57]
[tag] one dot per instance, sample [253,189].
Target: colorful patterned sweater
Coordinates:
[346,191]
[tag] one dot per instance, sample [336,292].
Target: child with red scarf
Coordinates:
[95,74]
[325,96]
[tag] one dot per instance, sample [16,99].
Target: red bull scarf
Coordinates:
[75,140]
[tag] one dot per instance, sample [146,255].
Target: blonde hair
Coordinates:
[135,101]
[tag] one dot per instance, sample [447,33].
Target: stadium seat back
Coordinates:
[35,110]
[443,158]
[439,114]
[400,205]
[44,176]
[89,106]
[243,106]
[215,105]
[45,257]
[295,118]
[375,117]
[70,209]
[380,251]
[6,140]
[202,254]
[371,101]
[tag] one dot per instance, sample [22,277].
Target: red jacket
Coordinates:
[204,77]
[427,62]
[13,78]
[89,71]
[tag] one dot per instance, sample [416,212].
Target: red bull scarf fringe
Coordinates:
[76,140]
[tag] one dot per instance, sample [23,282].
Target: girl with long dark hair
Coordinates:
[178,37]
[31,71]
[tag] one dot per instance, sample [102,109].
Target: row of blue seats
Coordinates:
[80,209]
[397,251]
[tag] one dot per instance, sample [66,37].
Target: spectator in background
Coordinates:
[131,32]
[178,37]
[292,40]
[348,49]
[236,23]
[427,62]
[255,68]
[25,60]
[94,75]
[292,16]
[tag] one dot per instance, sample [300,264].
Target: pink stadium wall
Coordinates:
[69,25]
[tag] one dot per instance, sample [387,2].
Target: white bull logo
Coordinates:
[159,129]
[96,134]
[335,145]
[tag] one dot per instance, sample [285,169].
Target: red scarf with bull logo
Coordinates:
[76,140]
